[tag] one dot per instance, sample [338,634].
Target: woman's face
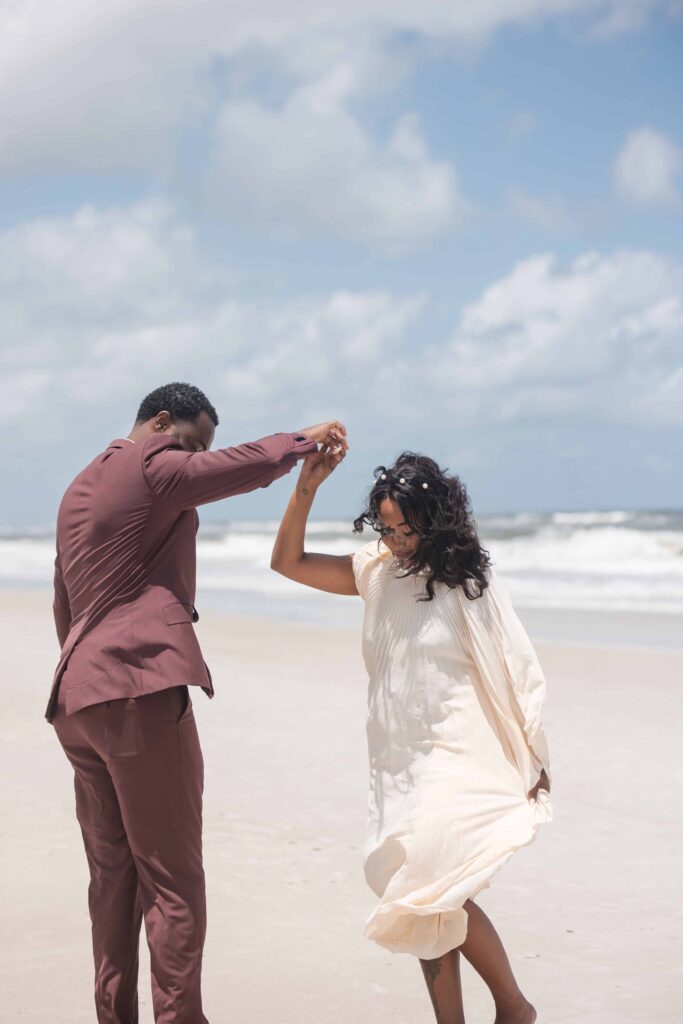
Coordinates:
[396,533]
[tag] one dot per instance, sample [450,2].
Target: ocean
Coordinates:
[615,576]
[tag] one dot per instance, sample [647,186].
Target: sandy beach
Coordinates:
[589,913]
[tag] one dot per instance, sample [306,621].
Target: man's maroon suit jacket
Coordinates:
[125,565]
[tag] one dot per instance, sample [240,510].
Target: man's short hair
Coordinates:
[182,401]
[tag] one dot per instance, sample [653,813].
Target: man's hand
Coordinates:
[543,783]
[332,436]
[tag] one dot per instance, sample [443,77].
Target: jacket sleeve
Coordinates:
[185,479]
[509,667]
[60,605]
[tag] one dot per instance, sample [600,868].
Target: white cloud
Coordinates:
[602,338]
[647,167]
[107,303]
[106,264]
[111,86]
[312,350]
[81,83]
[311,166]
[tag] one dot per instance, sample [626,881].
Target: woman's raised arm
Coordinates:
[333,573]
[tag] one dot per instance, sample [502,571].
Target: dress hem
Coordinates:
[392,925]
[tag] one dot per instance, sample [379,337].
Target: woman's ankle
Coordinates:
[515,1010]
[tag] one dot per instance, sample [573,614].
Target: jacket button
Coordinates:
[195,614]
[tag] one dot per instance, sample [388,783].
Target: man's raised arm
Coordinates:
[185,479]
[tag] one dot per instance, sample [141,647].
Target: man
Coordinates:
[120,702]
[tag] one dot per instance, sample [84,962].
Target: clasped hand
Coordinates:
[317,466]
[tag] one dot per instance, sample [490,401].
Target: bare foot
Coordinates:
[523,1013]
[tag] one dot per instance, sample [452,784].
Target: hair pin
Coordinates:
[402,480]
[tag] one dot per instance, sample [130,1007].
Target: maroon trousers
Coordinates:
[139,780]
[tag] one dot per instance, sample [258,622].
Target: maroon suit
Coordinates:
[120,703]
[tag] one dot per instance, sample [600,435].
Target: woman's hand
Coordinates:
[543,783]
[317,466]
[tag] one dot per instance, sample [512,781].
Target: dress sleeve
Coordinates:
[362,562]
[509,665]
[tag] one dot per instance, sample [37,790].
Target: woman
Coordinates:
[459,768]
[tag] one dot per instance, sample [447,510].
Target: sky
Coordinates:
[456,227]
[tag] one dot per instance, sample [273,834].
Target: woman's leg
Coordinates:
[484,950]
[443,982]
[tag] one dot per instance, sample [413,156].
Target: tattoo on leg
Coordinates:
[431,970]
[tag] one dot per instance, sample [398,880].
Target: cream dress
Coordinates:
[455,743]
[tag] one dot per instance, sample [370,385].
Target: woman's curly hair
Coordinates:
[440,513]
